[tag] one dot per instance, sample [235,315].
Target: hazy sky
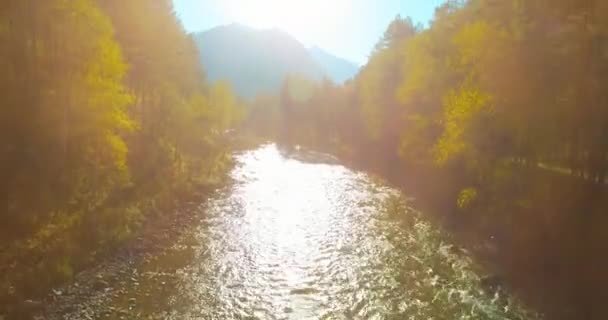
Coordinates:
[347,28]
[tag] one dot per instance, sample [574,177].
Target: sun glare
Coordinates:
[303,18]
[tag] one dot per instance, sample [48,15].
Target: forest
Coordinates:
[106,121]
[495,117]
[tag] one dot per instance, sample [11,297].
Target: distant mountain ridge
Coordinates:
[257,61]
[336,68]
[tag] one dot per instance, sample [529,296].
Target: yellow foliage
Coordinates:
[224,107]
[118,150]
[420,67]
[466,198]
[461,109]
[471,42]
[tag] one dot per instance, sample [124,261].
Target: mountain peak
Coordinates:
[257,61]
[254,61]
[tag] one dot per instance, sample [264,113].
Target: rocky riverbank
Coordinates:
[116,273]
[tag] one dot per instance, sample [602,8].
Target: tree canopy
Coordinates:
[106,118]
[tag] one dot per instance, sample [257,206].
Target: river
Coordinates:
[298,236]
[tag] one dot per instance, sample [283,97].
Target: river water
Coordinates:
[297,236]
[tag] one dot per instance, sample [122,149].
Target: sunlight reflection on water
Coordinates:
[292,221]
[296,240]
[310,241]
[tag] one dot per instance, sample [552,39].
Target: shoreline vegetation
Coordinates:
[107,123]
[495,117]
[161,226]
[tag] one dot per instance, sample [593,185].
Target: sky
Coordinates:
[346,28]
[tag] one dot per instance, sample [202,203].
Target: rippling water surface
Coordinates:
[295,239]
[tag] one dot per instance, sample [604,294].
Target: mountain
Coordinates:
[337,69]
[257,61]
[254,61]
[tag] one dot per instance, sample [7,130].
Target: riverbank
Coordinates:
[95,281]
[538,233]
[29,286]
[542,241]
[118,273]
[37,266]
